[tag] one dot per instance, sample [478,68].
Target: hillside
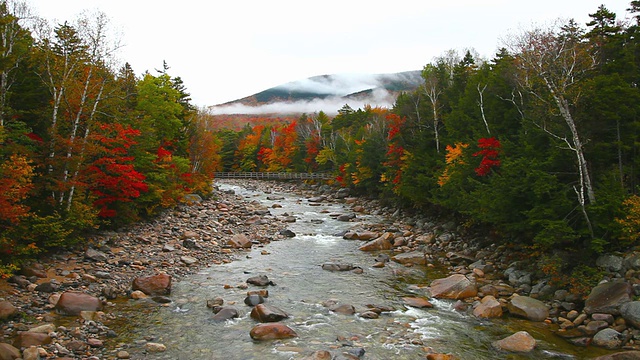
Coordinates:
[325,93]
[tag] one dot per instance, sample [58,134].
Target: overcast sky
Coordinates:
[225,49]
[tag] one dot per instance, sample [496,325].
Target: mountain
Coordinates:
[326,93]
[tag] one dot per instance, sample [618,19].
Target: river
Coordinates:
[302,286]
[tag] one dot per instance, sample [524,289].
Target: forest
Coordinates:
[537,144]
[85,145]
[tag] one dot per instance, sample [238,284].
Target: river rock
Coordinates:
[239,241]
[609,262]
[137,295]
[608,297]
[417,302]
[345,309]
[188,260]
[319,355]
[253,300]
[337,267]
[632,261]
[36,270]
[364,235]
[317,199]
[383,242]
[272,331]
[46,287]
[95,255]
[155,347]
[260,280]
[488,307]
[8,352]
[262,292]
[72,303]
[608,338]
[43,329]
[226,313]
[266,313]
[346,217]
[159,284]
[528,308]
[24,339]
[7,310]
[631,313]
[624,355]
[413,257]
[594,326]
[287,233]
[454,287]
[369,314]
[440,357]
[521,342]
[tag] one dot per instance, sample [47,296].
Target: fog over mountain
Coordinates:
[326,93]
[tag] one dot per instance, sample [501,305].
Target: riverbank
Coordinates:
[177,243]
[219,230]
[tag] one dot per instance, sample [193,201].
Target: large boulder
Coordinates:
[413,257]
[272,331]
[383,242]
[72,303]
[609,262]
[266,313]
[631,313]
[454,287]
[96,255]
[239,241]
[528,308]
[26,339]
[607,298]
[608,338]
[8,352]
[521,342]
[7,310]
[632,261]
[488,307]
[417,302]
[159,284]
[337,267]
[226,313]
[260,280]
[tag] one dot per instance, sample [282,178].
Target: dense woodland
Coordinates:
[85,144]
[539,144]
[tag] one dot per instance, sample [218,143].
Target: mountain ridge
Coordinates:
[376,88]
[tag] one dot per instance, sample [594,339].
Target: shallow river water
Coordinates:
[301,286]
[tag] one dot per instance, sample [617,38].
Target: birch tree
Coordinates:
[14,45]
[551,63]
[75,66]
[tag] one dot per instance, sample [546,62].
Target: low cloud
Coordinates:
[338,84]
[329,105]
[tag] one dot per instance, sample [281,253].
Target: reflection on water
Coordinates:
[294,265]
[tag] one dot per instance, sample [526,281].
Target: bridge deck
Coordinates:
[272,175]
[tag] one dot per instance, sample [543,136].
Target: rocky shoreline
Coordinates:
[78,289]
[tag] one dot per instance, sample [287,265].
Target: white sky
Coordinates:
[228,49]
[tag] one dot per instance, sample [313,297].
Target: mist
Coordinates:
[333,91]
[330,105]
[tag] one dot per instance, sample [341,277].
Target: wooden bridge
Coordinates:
[273,175]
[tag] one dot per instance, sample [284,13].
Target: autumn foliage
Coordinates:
[489,153]
[113,176]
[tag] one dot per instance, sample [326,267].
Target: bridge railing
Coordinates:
[272,175]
